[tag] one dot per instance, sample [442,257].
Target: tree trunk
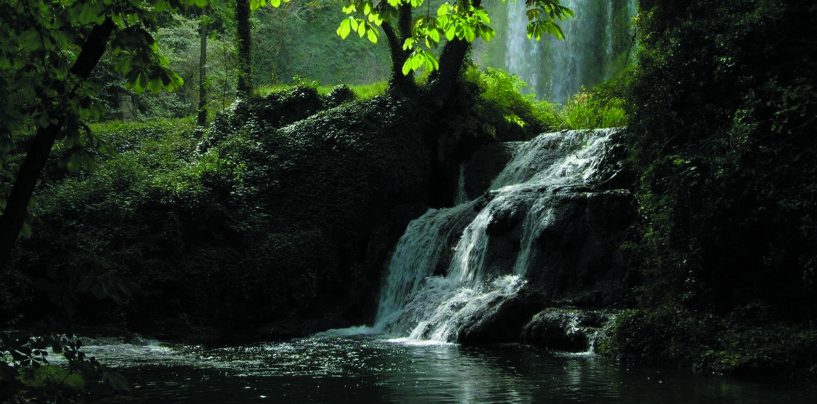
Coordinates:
[201,119]
[452,60]
[400,83]
[444,81]
[40,148]
[244,46]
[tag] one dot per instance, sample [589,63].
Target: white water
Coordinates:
[432,291]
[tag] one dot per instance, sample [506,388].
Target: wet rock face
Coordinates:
[566,330]
[503,322]
[524,319]
[577,253]
[485,165]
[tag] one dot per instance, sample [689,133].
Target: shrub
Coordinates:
[590,110]
[502,104]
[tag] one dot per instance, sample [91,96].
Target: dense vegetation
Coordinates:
[723,139]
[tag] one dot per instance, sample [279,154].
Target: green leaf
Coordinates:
[345,28]
[372,35]
[434,35]
[468,34]
[450,33]
[443,9]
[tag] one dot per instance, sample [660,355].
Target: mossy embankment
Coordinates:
[272,220]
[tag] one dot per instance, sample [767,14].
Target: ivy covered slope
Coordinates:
[266,222]
[724,133]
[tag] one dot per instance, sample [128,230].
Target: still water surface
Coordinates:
[372,370]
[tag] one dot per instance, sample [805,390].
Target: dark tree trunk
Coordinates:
[400,83]
[452,60]
[244,46]
[201,119]
[40,148]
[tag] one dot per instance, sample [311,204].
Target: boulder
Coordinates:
[567,330]
[502,322]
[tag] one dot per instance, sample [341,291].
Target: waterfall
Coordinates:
[417,255]
[438,279]
[598,43]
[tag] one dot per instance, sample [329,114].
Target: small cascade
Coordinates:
[438,279]
[416,257]
[597,43]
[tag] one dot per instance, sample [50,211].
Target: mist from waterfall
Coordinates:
[598,43]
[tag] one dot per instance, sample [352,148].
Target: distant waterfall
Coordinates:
[598,43]
[437,279]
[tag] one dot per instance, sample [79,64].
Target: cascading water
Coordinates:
[598,43]
[431,289]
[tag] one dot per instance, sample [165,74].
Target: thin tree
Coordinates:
[204,22]
[49,85]
[243,40]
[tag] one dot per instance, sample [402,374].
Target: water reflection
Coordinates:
[339,369]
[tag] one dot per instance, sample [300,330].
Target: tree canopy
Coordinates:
[463,20]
